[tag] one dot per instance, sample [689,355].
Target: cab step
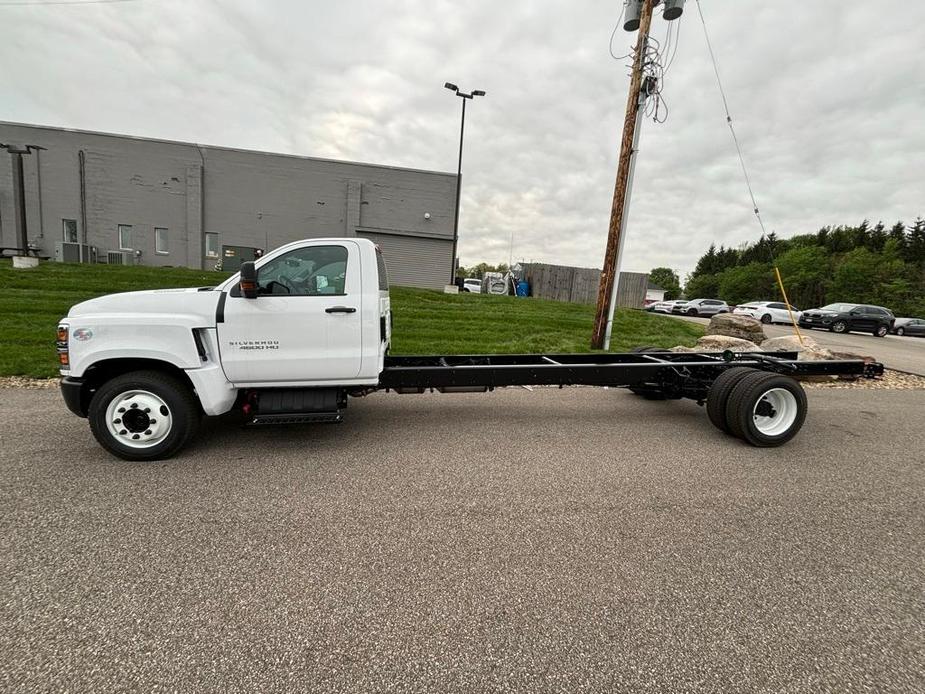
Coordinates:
[297,418]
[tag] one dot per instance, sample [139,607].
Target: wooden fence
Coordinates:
[579,285]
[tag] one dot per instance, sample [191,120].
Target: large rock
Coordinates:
[720,343]
[810,350]
[742,327]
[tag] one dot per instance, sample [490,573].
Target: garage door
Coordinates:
[414,261]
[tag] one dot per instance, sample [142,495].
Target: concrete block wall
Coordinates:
[248,198]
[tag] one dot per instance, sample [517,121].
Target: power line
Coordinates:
[735,138]
[39,3]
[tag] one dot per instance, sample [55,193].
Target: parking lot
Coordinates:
[903,353]
[555,540]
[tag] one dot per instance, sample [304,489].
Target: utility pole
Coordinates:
[606,295]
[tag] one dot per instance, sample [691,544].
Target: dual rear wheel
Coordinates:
[763,409]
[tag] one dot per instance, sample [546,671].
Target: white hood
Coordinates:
[185,303]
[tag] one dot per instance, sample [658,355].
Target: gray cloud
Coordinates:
[827,98]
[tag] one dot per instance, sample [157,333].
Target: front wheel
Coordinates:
[692,312]
[881,331]
[144,415]
[839,326]
[900,331]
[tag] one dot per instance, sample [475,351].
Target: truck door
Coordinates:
[305,323]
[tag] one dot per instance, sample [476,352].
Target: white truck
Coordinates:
[294,334]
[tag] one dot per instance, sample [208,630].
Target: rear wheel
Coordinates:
[881,331]
[766,318]
[839,326]
[765,409]
[144,415]
[718,395]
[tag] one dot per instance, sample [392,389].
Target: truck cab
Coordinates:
[312,322]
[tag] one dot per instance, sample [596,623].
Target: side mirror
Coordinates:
[248,281]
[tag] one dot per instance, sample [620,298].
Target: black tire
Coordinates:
[881,331]
[692,312]
[746,396]
[719,392]
[900,331]
[766,319]
[182,409]
[839,326]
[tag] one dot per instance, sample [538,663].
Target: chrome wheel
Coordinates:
[775,412]
[138,419]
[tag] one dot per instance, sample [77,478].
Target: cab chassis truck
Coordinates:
[291,336]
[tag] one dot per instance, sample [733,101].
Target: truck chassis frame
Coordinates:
[671,374]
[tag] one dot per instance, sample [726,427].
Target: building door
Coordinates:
[305,324]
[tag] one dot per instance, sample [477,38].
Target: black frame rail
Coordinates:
[681,374]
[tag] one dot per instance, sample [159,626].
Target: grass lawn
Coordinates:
[426,322]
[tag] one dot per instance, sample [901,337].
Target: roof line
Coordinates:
[223,148]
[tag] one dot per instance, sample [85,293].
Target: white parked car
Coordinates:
[767,311]
[473,285]
[665,306]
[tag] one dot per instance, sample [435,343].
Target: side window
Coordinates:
[778,306]
[161,247]
[69,230]
[211,244]
[383,272]
[311,271]
[125,237]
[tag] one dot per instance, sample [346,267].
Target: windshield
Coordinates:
[838,308]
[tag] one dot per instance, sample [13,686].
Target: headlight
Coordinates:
[61,345]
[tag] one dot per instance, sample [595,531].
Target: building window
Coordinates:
[125,237]
[69,230]
[160,241]
[211,244]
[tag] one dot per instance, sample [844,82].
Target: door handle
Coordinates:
[340,309]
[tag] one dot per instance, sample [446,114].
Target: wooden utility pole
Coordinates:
[608,274]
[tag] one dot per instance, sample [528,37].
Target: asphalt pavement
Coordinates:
[569,540]
[902,353]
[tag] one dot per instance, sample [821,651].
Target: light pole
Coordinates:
[462,127]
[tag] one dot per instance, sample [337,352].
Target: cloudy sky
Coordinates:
[828,98]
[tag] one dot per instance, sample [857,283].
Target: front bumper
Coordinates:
[824,322]
[74,394]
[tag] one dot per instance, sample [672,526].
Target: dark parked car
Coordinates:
[844,318]
[910,326]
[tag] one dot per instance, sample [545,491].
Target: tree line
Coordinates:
[854,264]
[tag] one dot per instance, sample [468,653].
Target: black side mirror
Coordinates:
[248,282]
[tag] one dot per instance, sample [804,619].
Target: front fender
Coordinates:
[162,338]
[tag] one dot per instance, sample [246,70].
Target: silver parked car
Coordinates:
[705,307]
[909,326]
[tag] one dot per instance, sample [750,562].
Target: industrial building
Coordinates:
[96,197]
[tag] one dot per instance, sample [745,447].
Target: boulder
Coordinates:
[720,343]
[742,327]
[810,350]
